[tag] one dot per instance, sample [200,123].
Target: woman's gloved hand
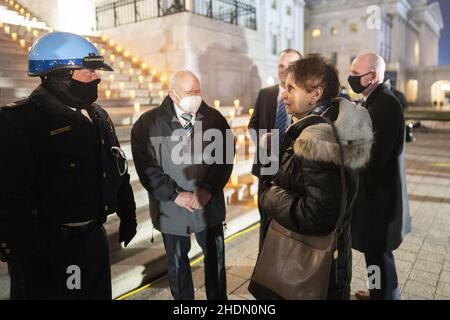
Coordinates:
[127,230]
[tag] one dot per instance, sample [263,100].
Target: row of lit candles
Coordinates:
[15,36]
[20,10]
[132,93]
[119,49]
[23,12]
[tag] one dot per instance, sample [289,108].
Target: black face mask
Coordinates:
[87,92]
[71,92]
[355,83]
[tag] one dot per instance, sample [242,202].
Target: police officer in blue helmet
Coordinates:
[62,173]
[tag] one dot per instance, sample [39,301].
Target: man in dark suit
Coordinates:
[186,192]
[270,113]
[381,215]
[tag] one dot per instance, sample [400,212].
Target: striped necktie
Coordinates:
[281,120]
[188,126]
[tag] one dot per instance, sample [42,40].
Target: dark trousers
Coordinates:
[211,241]
[389,282]
[73,265]
[265,219]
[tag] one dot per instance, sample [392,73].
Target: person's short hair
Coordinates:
[315,71]
[289,50]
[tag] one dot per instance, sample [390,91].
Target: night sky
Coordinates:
[444,52]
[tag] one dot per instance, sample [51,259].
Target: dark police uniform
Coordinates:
[59,168]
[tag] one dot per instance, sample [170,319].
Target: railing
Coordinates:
[115,13]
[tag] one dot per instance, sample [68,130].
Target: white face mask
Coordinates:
[190,104]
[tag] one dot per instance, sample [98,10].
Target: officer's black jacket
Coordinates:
[56,167]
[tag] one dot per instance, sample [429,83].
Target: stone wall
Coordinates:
[229,60]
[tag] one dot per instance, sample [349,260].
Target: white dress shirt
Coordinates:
[180,112]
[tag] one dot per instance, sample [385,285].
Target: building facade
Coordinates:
[404,32]
[232,45]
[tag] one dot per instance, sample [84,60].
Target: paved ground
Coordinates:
[423,260]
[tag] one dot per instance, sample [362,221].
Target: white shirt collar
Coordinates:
[280,92]
[179,112]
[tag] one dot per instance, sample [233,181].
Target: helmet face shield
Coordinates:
[63,50]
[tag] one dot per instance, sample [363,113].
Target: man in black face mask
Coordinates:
[62,173]
[381,214]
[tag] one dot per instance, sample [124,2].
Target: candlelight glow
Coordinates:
[237,103]
[137,107]
[235,181]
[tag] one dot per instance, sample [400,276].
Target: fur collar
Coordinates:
[317,142]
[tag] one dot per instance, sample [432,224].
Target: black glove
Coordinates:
[127,230]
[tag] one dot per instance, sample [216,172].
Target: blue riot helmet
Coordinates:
[63,50]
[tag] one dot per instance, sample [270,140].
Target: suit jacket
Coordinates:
[381,216]
[161,174]
[264,118]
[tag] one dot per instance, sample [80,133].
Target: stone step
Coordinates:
[15,93]
[13,64]
[22,82]
[147,264]
[14,73]
[12,48]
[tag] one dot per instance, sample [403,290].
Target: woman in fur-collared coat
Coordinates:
[305,195]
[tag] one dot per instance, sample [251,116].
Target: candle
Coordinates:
[250,111]
[235,181]
[108,94]
[137,107]
[237,103]
[217,104]
[132,94]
